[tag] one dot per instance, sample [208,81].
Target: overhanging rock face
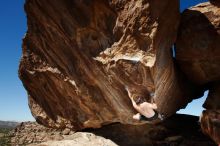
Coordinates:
[79,56]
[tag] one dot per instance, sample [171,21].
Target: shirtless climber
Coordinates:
[141,101]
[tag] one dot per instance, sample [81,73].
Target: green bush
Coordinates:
[6,138]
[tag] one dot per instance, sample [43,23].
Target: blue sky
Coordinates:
[13,97]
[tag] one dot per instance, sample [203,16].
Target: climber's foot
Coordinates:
[137,116]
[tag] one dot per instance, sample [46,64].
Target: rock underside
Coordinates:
[174,131]
[79,57]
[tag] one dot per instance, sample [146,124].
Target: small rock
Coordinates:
[57,137]
[72,132]
[66,131]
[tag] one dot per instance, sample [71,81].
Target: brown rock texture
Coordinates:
[80,56]
[198,55]
[31,132]
[174,131]
[210,123]
[210,118]
[198,52]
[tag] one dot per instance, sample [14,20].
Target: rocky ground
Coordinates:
[179,130]
[31,133]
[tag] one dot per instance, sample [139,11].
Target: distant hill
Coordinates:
[8,124]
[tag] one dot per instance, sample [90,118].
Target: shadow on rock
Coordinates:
[183,130]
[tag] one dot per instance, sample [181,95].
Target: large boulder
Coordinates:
[197,46]
[198,54]
[79,57]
